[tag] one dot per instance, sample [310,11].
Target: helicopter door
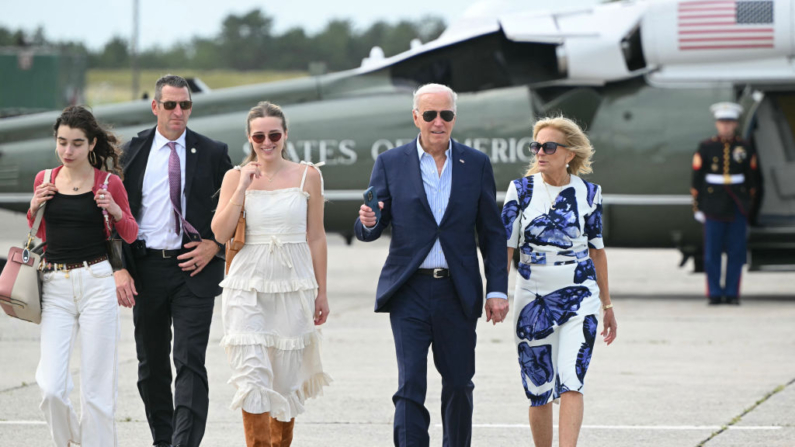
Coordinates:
[774,141]
[771,242]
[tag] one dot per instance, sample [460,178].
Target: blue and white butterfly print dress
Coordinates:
[556,296]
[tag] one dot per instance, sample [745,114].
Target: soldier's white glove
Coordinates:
[699,216]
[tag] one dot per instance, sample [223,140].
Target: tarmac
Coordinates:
[679,374]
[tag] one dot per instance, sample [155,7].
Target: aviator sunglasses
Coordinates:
[171,105]
[259,138]
[549,147]
[430,115]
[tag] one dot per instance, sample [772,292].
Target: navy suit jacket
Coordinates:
[472,210]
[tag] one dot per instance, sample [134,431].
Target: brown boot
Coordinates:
[285,433]
[257,428]
[276,433]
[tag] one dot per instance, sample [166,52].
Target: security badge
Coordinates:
[739,154]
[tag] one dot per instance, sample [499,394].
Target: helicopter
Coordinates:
[639,77]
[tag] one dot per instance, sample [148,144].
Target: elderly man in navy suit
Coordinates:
[438,195]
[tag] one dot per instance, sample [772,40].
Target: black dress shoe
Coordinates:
[714,300]
[162,444]
[734,300]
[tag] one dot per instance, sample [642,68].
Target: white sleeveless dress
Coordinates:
[269,295]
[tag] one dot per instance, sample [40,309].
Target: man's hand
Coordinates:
[496,310]
[367,215]
[125,288]
[195,260]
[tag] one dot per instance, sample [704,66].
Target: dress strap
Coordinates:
[316,166]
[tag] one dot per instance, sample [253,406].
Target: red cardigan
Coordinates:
[127,227]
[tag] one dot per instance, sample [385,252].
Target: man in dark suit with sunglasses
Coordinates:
[172,271]
[439,197]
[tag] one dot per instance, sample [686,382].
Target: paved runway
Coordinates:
[679,374]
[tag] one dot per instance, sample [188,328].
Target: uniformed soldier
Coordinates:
[723,188]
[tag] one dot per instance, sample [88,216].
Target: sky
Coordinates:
[164,22]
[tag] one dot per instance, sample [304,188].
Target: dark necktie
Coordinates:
[175,192]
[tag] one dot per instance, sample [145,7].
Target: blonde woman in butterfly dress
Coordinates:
[555,219]
[275,292]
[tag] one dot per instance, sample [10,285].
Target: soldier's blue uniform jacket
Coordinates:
[724,177]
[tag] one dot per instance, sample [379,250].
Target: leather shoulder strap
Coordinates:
[39,213]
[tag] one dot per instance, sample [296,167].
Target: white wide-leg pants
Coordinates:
[83,304]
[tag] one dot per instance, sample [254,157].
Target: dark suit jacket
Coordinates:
[204,171]
[472,209]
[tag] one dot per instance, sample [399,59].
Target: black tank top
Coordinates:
[75,229]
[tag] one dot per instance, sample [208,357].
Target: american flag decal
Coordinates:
[725,25]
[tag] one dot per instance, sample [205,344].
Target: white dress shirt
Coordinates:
[157,219]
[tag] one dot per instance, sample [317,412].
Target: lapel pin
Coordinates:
[461,160]
[193,150]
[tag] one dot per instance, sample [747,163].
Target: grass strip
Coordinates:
[753,407]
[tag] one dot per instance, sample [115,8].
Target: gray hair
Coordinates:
[171,81]
[434,88]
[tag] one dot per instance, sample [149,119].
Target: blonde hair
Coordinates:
[575,140]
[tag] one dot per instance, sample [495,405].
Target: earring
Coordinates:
[567,166]
[92,158]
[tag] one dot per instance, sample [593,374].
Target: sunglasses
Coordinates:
[549,147]
[171,105]
[259,138]
[430,115]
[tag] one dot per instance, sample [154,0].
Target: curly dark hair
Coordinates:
[106,152]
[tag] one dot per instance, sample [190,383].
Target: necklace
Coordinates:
[270,179]
[79,185]
[552,201]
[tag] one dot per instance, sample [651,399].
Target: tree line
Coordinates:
[248,42]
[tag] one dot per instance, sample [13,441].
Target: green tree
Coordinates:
[399,38]
[335,46]
[206,53]
[246,40]
[292,50]
[114,54]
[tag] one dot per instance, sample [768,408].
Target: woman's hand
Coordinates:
[247,174]
[610,326]
[105,201]
[43,193]
[321,309]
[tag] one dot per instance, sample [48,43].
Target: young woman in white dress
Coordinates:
[275,292]
[554,218]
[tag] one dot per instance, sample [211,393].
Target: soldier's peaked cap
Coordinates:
[726,111]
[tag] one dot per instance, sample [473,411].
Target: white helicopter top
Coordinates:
[669,41]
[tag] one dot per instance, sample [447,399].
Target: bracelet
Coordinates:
[235,204]
[607,306]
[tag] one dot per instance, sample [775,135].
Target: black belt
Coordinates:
[163,253]
[436,273]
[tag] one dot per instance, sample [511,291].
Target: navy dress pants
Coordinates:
[426,312]
[719,237]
